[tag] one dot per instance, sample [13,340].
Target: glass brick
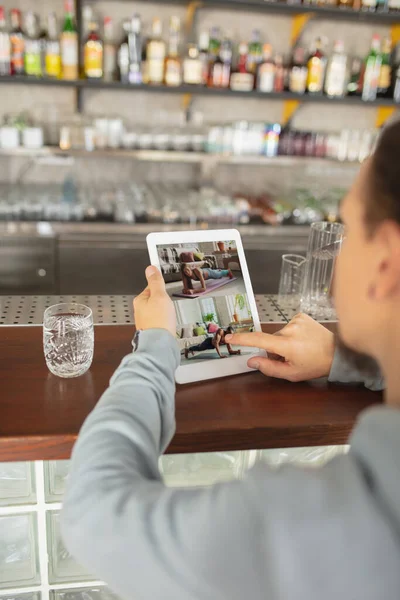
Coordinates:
[55,478]
[18,556]
[313,456]
[202,469]
[17,483]
[83,593]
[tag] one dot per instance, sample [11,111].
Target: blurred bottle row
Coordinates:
[216,60]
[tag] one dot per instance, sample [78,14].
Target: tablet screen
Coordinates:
[205,281]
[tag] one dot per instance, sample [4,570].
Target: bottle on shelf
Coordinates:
[5,46]
[204,43]
[220,70]
[382,6]
[17,40]
[110,50]
[298,71]
[123,54]
[396,76]
[345,4]
[33,47]
[336,73]
[173,67]
[394,6]
[93,53]
[156,54]
[266,71]
[214,45]
[52,49]
[385,74]
[135,50]
[241,79]
[193,66]
[316,69]
[354,87]
[69,44]
[368,5]
[279,80]
[255,55]
[372,70]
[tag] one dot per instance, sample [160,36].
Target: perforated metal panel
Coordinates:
[107,310]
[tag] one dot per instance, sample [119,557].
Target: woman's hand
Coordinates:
[153,308]
[303,350]
[188,292]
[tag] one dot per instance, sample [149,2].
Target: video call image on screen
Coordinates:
[205,282]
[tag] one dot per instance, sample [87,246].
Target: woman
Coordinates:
[292,533]
[190,274]
[214,343]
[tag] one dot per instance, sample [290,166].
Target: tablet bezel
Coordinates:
[209,369]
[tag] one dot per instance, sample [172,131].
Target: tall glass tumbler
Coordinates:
[291,281]
[68,339]
[324,246]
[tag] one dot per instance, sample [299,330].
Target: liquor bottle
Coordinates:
[316,69]
[214,44]
[396,76]
[93,53]
[382,6]
[254,57]
[368,5]
[241,79]
[345,4]
[33,47]
[279,81]
[17,40]
[204,43]
[220,70]
[372,70]
[135,50]
[354,87]
[5,46]
[266,71]
[385,74]
[298,71]
[336,73]
[52,50]
[69,44]
[156,54]
[110,51]
[123,54]
[193,67]
[394,5]
[173,67]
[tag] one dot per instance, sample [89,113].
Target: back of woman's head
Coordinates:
[383,181]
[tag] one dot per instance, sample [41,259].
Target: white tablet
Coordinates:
[206,275]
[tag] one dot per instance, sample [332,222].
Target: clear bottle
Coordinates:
[279,81]
[33,47]
[93,53]
[316,69]
[385,74]
[396,76]
[135,50]
[53,49]
[110,51]
[156,51]
[368,5]
[336,72]
[123,54]
[5,46]
[17,40]
[173,66]
[241,79]
[266,71]
[298,71]
[220,72]
[354,87]
[69,44]
[193,67]
[204,43]
[372,71]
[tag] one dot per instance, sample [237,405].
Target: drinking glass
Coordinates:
[316,297]
[68,339]
[291,281]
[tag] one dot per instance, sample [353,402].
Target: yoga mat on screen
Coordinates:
[211,285]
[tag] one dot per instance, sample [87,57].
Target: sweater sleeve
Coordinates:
[343,372]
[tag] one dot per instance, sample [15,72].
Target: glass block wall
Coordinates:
[34,564]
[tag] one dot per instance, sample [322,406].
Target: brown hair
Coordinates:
[383,192]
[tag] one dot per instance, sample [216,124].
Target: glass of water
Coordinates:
[68,339]
[291,281]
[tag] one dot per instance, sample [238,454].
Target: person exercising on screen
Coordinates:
[214,343]
[190,274]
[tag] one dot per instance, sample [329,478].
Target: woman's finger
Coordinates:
[271,368]
[257,339]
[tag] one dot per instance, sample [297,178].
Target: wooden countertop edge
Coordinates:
[59,447]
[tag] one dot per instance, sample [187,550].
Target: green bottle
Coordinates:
[214,44]
[33,47]
[255,55]
[372,70]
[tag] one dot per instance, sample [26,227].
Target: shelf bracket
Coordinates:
[395,34]
[290,107]
[383,113]
[187,100]
[298,24]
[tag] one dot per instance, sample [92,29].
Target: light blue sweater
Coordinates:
[292,534]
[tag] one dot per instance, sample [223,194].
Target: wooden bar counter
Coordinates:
[40,414]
